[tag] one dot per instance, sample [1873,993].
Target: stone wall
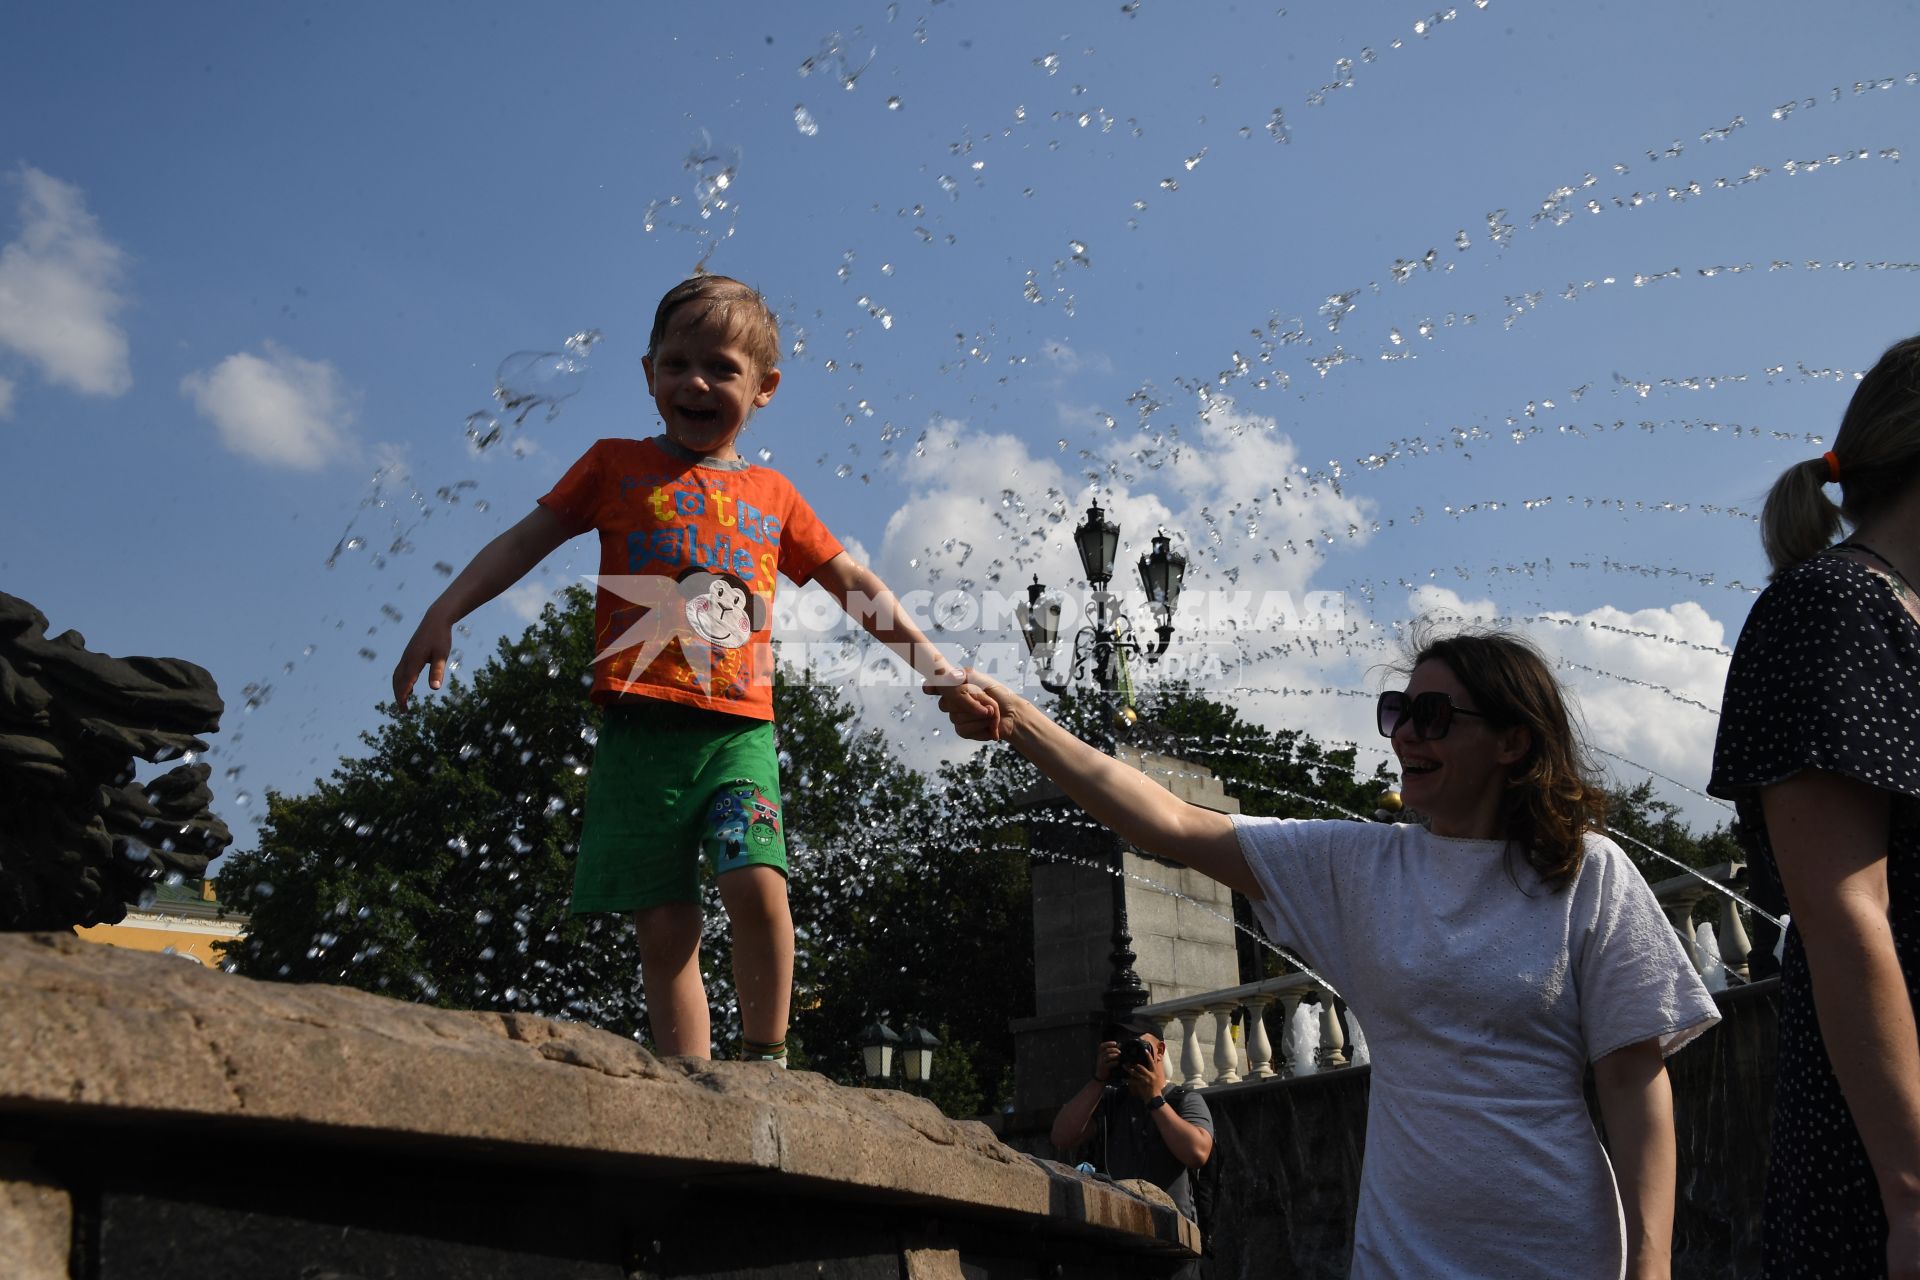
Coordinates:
[352,1137]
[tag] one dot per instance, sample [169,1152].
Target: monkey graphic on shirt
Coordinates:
[692,630]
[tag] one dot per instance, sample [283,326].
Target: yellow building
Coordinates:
[182,920]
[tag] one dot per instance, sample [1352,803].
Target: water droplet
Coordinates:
[803,120]
[893,104]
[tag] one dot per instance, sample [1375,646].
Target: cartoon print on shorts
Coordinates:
[742,822]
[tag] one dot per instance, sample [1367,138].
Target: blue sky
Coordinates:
[252,256]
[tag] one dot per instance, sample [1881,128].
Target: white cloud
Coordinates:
[60,291]
[526,598]
[1070,361]
[6,398]
[278,408]
[1646,684]
[984,514]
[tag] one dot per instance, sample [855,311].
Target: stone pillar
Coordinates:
[1259,1047]
[1333,1040]
[1183,947]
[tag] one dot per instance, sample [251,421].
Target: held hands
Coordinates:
[432,642]
[980,708]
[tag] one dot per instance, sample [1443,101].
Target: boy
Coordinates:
[691,536]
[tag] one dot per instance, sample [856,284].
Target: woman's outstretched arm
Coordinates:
[1126,801]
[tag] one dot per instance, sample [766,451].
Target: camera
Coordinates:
[1134,1053]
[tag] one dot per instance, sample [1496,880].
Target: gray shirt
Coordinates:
[1127,1142]
[1483,1002]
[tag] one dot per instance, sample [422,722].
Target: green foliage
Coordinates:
[1637,817]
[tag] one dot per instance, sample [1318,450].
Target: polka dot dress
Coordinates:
[1826,676]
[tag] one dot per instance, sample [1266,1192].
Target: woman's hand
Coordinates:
[980,708]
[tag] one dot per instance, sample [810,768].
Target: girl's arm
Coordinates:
[1829,836]
[1636,1102]
[1124,800]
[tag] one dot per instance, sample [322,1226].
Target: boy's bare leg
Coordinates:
[756,901]
[670,968]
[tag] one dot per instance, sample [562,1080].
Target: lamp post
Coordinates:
[1101,647]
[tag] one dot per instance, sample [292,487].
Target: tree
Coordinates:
[436,867]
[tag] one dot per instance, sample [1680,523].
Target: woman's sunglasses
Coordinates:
[1432,714]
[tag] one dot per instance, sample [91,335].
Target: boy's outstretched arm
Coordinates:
[1122,799]
[500,564]
[868,602]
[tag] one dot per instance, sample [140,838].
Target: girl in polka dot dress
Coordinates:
[1819,748]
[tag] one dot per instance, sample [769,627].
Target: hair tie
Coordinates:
[1833,466]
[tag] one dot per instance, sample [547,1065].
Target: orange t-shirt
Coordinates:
[688,554]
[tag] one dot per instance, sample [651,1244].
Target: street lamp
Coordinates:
[1103,645]
[876,1046]
[918,1053]
[1161,576]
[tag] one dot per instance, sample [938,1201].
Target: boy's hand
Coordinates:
[432,642]
[976,705]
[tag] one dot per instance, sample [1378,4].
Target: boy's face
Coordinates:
[706,385]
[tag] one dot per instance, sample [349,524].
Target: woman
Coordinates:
[1492,954]
[1819,748]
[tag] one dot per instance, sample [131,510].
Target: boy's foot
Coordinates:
[775,1053]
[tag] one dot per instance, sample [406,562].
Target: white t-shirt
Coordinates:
[1483,1001]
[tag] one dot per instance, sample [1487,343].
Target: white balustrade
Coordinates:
[1680,895]
[1256,1054]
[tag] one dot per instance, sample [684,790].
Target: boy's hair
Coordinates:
[725,301]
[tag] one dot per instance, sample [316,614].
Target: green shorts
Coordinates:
[670,785]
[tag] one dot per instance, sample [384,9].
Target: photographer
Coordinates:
[1136,1125]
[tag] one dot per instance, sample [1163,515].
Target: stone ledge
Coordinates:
[89,1034]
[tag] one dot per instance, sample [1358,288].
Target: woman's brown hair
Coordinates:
[1552,798]
[1877,451]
